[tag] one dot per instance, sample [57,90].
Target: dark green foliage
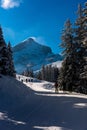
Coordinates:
[83,74]
[6,61]
[81,39]
[68,70]
[3,55]
[11,69]
[48,73]
[73,74]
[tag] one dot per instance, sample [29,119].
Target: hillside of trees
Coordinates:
[73,73]
[48,73]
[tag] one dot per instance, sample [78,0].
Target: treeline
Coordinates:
[48,73]
[73,73]
[6,59]
[28,72]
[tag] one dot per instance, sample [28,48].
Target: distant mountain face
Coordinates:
[30,54]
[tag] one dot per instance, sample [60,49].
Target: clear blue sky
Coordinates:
[43,19]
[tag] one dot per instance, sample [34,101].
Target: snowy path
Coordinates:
[60,113]
[46,110]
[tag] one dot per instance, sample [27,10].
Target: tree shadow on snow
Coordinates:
[33,110]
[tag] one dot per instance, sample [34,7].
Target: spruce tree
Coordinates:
[73,74]
[83,73]
[3,55]
[67,72]
[11,68]
[80,37]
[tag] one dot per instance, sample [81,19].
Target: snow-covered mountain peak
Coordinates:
[31,45]
[30,40]
[31,52]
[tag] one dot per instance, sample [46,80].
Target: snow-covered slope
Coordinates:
[12,92]
[58,64]
[29,53]
[34,105]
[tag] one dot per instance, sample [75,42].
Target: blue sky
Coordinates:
[42,19]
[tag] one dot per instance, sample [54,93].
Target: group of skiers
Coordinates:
[25,80]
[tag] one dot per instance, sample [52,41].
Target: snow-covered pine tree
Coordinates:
[85,23]
[80,36]
[11,69]
[3,55]
[68,70]
[74,42]
[83,74]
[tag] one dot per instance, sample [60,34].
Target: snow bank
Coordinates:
[13,94]
[37,85]
[34,105]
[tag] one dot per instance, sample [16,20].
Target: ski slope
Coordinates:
[35,106]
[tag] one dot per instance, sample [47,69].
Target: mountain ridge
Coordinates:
[31,54]
[29,41]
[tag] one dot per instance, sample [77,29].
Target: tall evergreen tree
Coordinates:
[73,74]
[80,37]
[3,55]
[68,70]
[11,68]
[83,73]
